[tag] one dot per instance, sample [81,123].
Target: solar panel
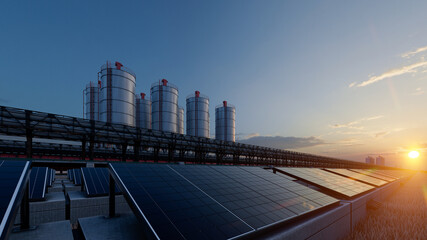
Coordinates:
[258,197]
[71,174]
[373,173]
[37,183]
[13,176]
[358,176]
[96,181]
[49,177]
[327,180]
[208,202]
[77,176]
[392,173]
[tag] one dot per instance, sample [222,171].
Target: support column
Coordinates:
[83,149]
[124,148]
[25,209]
[136,147]
[29,134]
[112,198]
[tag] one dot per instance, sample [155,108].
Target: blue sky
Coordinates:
[334,78]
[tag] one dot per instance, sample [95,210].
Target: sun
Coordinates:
[413,154]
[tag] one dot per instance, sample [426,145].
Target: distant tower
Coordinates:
[370,160]
[180,120]
[91,103]
[117,102]
[164,106]
[380,161]
[143,112]
[198,115]
[225,118]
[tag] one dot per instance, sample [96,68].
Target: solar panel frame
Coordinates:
[357,176]
[71,175]
[96,182]
[8,208]
[373,173]
[37,183]
[328,181]
[77,176]
[252,198]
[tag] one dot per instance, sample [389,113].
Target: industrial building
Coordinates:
[198,115]
[114,100]
[369,160]
[380,160]
[225,120]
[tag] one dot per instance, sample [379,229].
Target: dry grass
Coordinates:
[402,216]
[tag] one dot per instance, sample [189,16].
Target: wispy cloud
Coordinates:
[355,124]
[284,142]
[381,134]
[352,84]
[418,92]
[392,73]
[410,54]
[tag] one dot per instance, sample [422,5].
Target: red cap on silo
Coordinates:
[119,65]
[197,93]
[225,103]
[165,82]
[99,83]
[142,95]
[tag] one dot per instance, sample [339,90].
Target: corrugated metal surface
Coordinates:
[92,101]
[180,120]
[164,107]
[143,113]
[198,115]
[225,118]
[117,104]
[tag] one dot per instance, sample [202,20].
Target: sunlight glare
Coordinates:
[413,154]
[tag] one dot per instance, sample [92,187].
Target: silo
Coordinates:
[198,115]
[117,104]
[225,118]
[143,112]
[180,120]
[164,106]
[91,103]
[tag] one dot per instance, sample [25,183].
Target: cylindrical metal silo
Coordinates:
[143,112]
[92,101]
[164,106]
[180,120]
[198,115]
[117,104]
[225,118]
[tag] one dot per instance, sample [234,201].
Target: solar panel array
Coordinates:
[327,180]
[96,181]
[37,183]
[358,176]
[212,202]
[12,181]
[373,173]
[77,178]
[50,177]
[71,174]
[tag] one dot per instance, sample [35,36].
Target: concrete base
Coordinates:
[82,206]
[54,230]
[56,187]
[123,227]
[70,187]
[50,210]
[333,224]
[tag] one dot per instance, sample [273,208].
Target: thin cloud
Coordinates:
[356,124]
[352,84]
[410,54]
[381,134]
[284,142]
[418,92]
[393,73]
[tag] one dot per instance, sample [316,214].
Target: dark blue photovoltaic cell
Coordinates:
[257,196]
[77,176]
[37,183]
[174,207]
[71,174]
[96,181]
[10,174]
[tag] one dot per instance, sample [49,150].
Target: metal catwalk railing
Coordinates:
[95,140]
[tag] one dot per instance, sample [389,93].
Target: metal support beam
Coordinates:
[124,150]
[136,147]
[29,134]
[112,198]
[83,149]
[25,209]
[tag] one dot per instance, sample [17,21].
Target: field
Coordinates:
[402,216]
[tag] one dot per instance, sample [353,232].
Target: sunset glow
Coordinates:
[413,154]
